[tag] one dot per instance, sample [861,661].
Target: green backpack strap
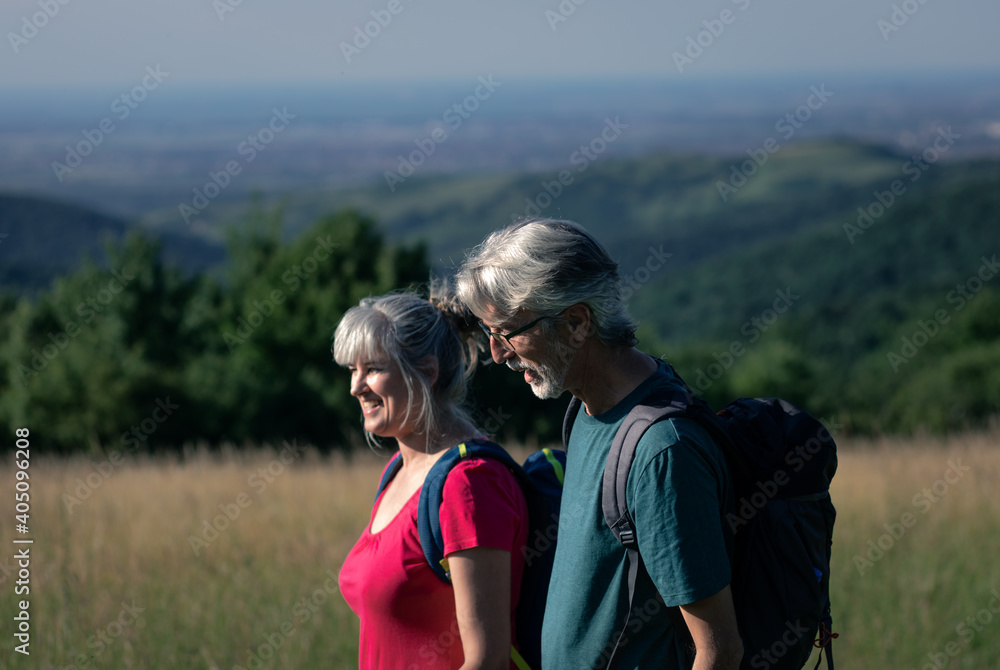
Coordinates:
[518,660]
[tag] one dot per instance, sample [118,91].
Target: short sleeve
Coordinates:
[482,506]
[678,504]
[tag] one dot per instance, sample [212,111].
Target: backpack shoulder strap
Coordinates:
[571,411]
[432,496]
[390,471]
[613,486]
[620,457]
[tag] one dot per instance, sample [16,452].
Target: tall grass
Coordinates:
[262,593]
[937,526]
[262,582]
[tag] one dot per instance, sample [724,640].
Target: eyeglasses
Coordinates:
[503,339]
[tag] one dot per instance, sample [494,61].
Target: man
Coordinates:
[550,298]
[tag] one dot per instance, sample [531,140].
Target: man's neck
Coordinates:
[603,376]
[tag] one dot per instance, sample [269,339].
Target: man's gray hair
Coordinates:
[545,266]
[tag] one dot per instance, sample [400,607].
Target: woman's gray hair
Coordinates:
[545,266]
[407,329]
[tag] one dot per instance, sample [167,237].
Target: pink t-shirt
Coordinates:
[407,613]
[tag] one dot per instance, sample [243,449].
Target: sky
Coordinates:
[62,43]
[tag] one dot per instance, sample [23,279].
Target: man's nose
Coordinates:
[499,352]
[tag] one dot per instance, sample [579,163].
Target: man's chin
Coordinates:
[546,391]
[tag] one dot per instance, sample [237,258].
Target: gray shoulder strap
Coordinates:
[619,463]
[613,485]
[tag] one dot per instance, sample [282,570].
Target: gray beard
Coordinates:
[551,377]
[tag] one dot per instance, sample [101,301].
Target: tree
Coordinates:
[89,359]
[265,366]
[138,356]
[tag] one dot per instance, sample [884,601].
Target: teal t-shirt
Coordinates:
[678,493]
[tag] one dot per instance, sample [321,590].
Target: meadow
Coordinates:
[229,559]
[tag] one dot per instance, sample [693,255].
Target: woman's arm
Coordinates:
[481,577]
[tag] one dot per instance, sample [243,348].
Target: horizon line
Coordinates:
[668,78]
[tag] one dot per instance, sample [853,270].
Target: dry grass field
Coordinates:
[230,560]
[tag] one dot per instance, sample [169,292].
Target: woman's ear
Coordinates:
[429,368]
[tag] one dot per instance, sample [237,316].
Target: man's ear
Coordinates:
[580,320]
[429,367]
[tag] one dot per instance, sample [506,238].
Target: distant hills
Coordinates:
[653,198]
[730,247]
[43,239]
[867,245]
[784,225]
[823,261]
[852,276]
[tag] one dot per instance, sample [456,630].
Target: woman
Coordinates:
[410,359]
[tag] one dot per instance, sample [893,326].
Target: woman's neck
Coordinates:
[418,448]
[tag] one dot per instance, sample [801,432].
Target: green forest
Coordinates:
[877,319]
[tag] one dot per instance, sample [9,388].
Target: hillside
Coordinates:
[42,239]
[838,275]
[670,199]
[932,237]
[785,227]
[901,328]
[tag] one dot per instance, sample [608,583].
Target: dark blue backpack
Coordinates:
[541,480]
[781,461]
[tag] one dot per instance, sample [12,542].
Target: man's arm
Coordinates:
[677,507]
[712,623]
